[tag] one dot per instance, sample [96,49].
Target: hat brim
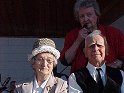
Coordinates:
[44,48]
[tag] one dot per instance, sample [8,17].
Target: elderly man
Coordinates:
[43,59]
[87,13]
[96,77]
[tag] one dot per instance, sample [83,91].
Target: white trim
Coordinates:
[44,48]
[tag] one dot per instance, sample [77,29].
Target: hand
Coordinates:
[82,34]
[116,64]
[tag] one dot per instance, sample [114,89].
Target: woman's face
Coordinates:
[43,63]
[87,16]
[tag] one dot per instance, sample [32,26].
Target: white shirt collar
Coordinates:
[38,88]
[93,73]
[92,68]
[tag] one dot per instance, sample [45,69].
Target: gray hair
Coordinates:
[85,3]
[98,32]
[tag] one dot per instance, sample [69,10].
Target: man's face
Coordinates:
[87,16]
[95,49]
[43,63]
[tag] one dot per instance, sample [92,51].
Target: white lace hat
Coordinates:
[44,45]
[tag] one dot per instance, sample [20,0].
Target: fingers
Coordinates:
[83,32]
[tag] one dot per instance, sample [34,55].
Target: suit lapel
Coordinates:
[51,85]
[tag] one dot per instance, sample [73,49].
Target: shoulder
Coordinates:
[60,80]
[24,82]
[109,69]
[62,85]
[114,70]
[81,71]
[109,29]
[72,35]
[57,80]
[73,31]
[115,74]
[82,74]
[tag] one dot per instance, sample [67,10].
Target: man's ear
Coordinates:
[84,50]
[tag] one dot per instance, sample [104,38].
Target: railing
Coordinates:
[4,84]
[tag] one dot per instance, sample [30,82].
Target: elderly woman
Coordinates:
[87,13]
[43,59]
